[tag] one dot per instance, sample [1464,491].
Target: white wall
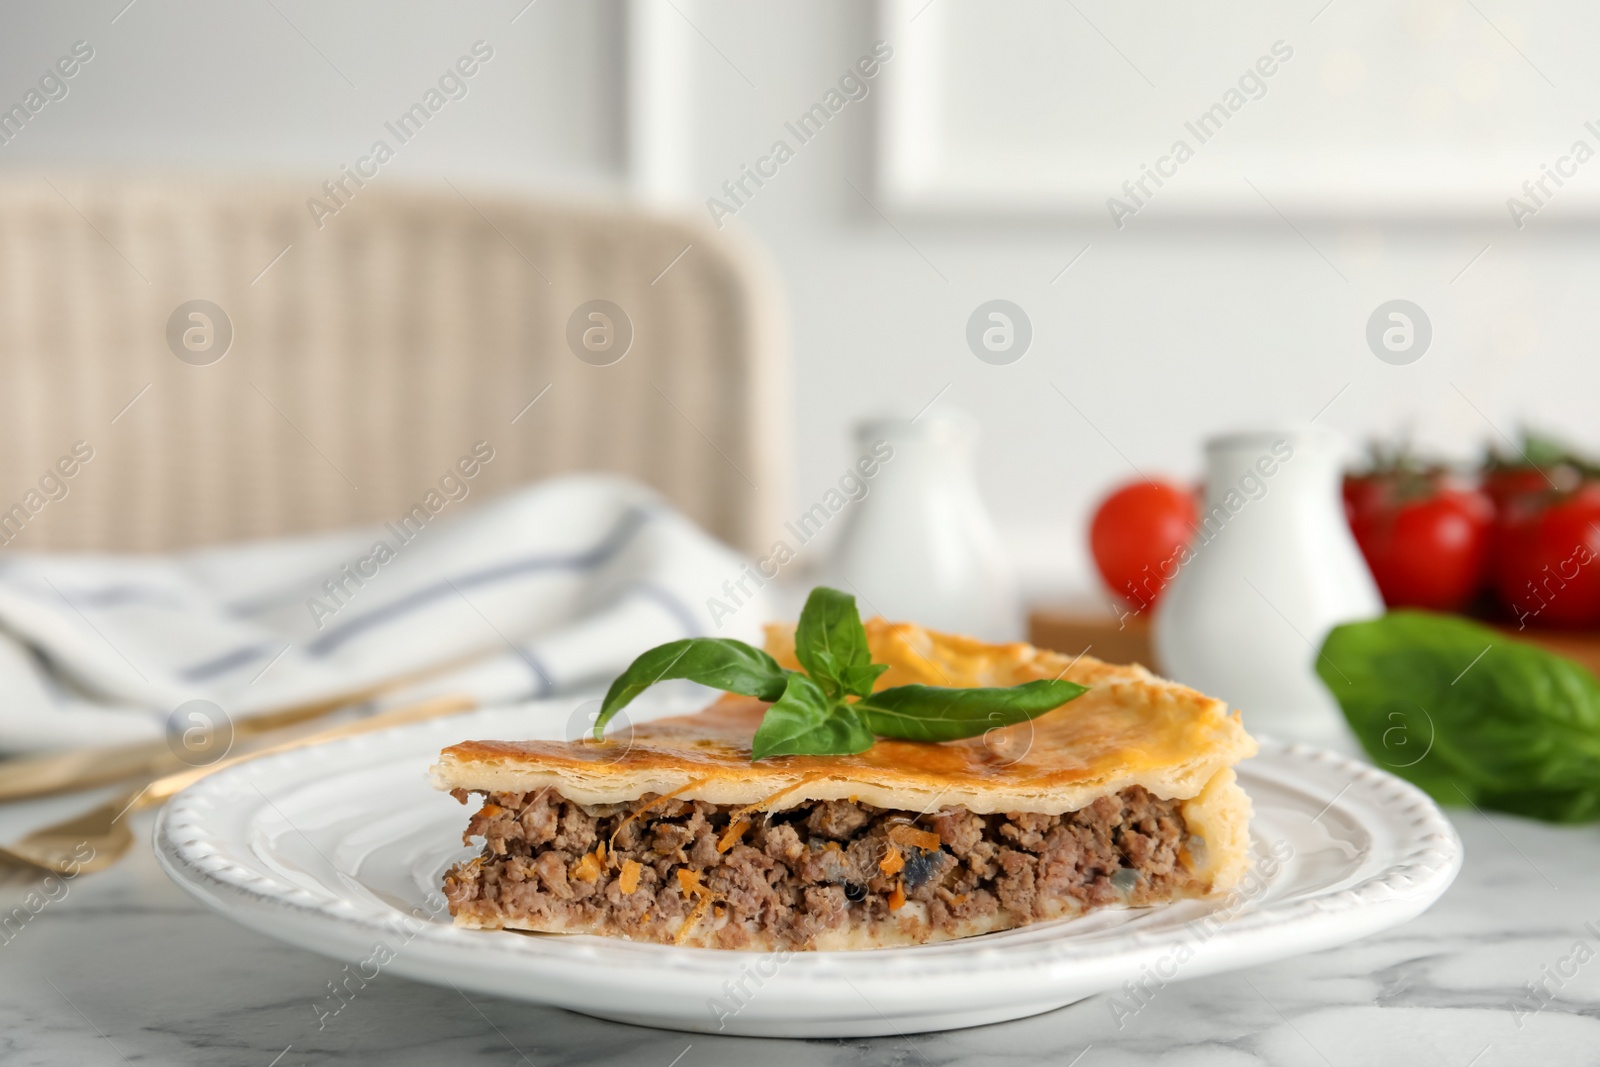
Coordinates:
[1165,331]
[300,85]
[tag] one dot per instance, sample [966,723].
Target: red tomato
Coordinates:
[1363,496]
[1426,542]
[1546,568]
[1138,537]
[1503,486]
[1509,484]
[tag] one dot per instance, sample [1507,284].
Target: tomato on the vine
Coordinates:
[1547,557]
[1426,539]
[1540,464]
[1506,485]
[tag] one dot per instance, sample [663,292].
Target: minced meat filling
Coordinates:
[686,866]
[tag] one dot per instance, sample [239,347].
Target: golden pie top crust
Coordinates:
[1130,728]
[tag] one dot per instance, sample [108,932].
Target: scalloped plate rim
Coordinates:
[226,874]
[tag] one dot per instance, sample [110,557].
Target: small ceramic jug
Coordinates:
[1271,570]
[920,546]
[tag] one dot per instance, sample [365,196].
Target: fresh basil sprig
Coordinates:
[831,644]
[720,662]
[831,710]
[937,713]
[805,721]
[1470,715]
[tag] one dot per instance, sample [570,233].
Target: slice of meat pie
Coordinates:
[1125,796]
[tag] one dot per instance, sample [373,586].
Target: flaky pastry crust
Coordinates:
[1131,728]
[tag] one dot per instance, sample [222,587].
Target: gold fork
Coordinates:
[84,768]
[103,831]
[22,777]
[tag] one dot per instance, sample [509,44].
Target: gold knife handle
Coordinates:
[162,788]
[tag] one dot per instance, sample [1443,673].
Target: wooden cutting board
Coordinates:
[1074,630]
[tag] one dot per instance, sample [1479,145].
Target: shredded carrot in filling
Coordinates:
[693,918]
[588,868]
[897,899]
[905,834]
[489,811]
[761,804]
[689,882]
[893,862]
[630,877]
[662,799]
[732,834]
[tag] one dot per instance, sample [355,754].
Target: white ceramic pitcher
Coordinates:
[1271,570]
[921,546]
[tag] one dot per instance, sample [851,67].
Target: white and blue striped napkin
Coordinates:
[542,591]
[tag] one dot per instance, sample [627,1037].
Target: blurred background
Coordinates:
[370,362]
[1374,164]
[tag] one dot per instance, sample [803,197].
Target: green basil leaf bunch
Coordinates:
[1470,715]
[830,709]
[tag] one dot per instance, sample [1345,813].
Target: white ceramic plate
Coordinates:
[334,848]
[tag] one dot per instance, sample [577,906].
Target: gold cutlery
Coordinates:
[86,768]
[102,832]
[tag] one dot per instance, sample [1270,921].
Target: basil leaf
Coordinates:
[858,681]
[934,713]
[831,644]
[720,662]
[1470,715]
[804,722]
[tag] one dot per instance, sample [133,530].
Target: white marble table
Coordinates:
[126,968]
